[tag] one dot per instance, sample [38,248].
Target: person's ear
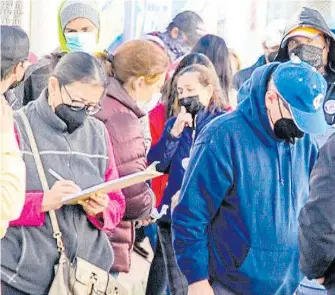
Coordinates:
[19,71]
[54,98]
[175,33]
[138,83]
[264,47]
[271,98]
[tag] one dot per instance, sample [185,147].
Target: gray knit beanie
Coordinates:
[73,9]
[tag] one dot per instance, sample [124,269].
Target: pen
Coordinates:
[55,174]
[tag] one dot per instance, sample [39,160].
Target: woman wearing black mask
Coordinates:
[77,147]
[199,100]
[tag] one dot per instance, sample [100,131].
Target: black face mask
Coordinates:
[72,119]
[308,53]
[271,56]
[192,104]
[287,130]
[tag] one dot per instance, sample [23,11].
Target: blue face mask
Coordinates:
[81,41]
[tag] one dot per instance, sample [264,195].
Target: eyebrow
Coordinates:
[73,29]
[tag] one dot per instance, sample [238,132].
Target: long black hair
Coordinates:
[216,50]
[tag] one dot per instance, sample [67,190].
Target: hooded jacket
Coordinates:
[237,218]
[121,116]
[309,18]
[245,74]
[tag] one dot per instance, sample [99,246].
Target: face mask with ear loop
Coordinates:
[81,41]
[313,55]
[286,129]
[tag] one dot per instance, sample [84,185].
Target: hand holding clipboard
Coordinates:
[110,186]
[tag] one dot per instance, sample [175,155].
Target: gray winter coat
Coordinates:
[29,251]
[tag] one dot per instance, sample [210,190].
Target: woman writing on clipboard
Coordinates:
[76,146]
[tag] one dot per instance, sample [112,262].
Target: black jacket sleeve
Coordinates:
[317,217]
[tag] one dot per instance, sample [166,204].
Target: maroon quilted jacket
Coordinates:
[121,116]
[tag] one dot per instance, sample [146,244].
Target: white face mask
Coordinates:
[81,41]
[152,103]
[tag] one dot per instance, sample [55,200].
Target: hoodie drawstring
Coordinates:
[279,166]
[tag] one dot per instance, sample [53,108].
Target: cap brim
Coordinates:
[297,34]
[310,123]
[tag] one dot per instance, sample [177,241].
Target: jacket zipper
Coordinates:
[74,252]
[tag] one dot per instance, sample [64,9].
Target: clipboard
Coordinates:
[113,185]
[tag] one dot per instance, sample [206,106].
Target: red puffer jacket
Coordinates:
[122,116]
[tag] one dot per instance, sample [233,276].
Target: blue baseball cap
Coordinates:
[304,90]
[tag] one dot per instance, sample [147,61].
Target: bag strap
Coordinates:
[57,234]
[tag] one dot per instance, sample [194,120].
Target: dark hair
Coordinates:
[79,67]
[169,90]
[6,72]
[216,50]
[187,22]
[14,48]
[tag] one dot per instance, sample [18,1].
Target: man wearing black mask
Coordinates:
[309,37]
[235,227]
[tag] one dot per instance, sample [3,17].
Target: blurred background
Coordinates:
[240,22]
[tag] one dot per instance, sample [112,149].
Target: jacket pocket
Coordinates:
[271,271]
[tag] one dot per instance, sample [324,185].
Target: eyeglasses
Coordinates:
[77,106]
[90,110]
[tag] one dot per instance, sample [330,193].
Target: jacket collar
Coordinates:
[46,113]
[116,91]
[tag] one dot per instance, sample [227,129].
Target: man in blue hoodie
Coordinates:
[236,225]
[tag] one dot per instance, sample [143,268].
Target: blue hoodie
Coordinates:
[171,151]
[237,219]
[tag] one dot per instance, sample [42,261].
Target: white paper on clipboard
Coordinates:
[114,185]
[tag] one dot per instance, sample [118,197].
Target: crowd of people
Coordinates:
[247,157]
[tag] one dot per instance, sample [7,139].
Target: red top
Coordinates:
[157,123]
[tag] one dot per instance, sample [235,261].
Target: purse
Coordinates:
[80,277]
